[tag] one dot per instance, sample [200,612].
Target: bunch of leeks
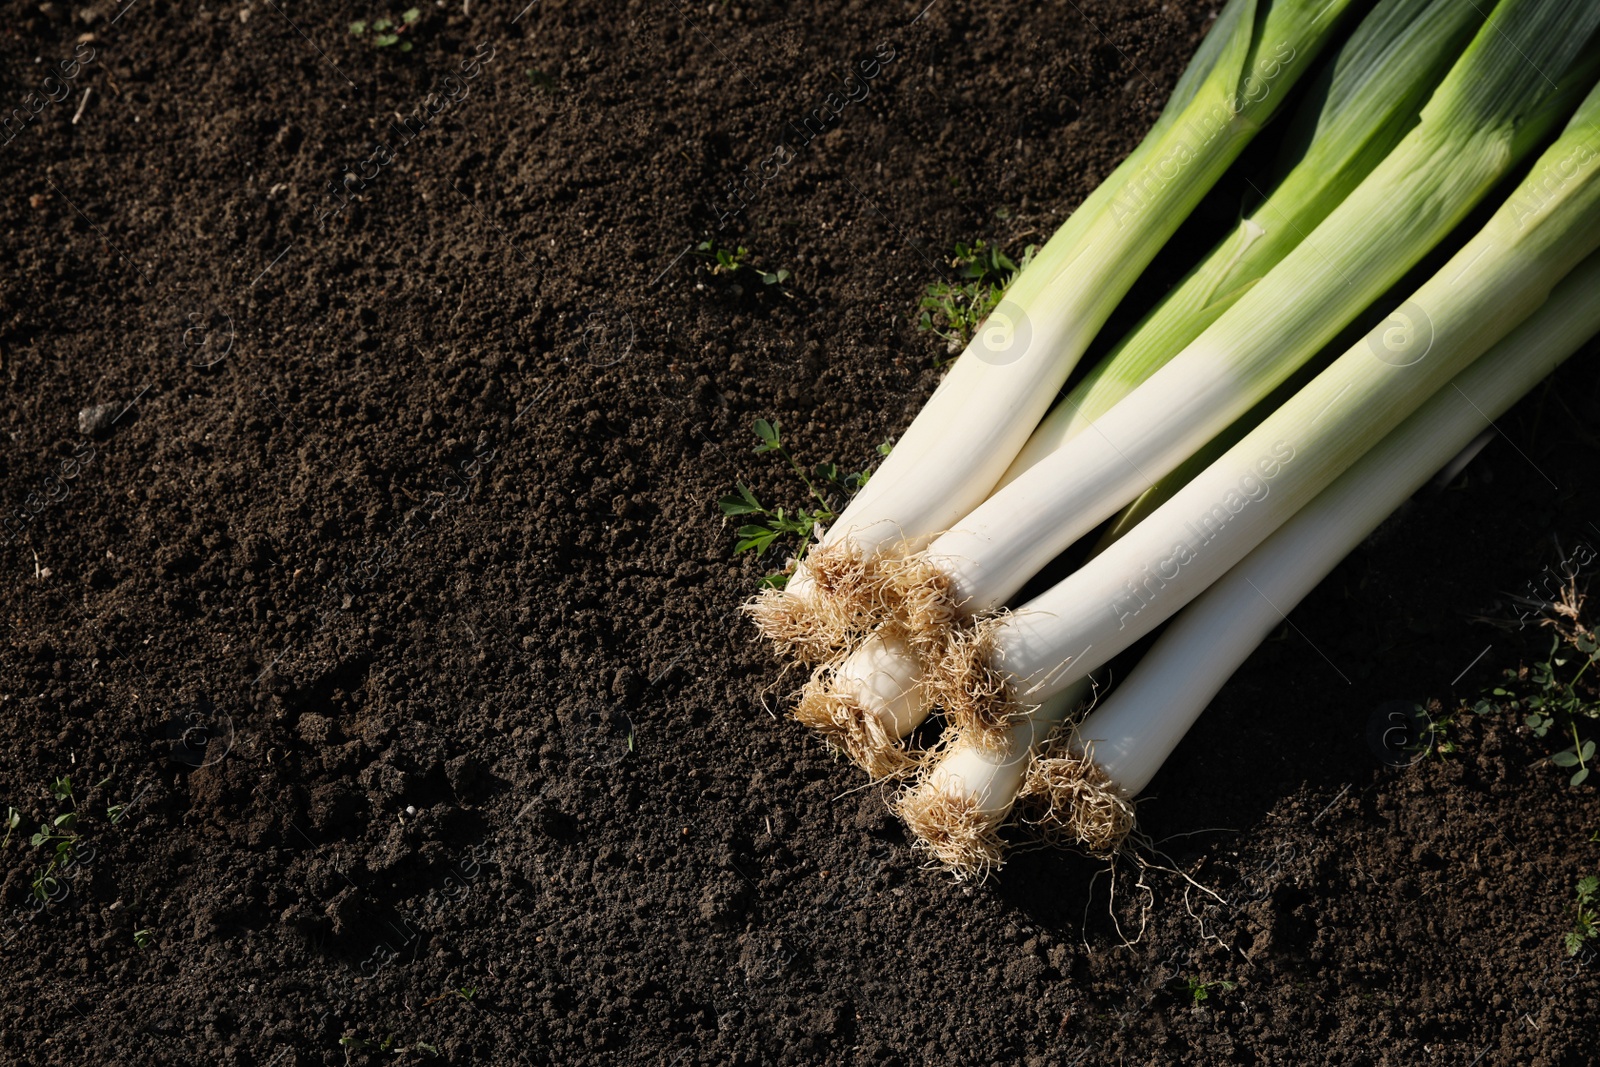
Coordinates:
[1242,469]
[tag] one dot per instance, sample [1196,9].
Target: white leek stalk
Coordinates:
[963,800]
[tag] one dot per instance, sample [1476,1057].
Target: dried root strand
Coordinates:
[918,603]
[845,599]
[845,724]
[975,695]
[853,592]
[900,597]
[1067,799]
[947,822]
[1567,617]
[814,628]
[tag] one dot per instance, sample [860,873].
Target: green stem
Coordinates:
[1572,686]
[801,474]
[805,543]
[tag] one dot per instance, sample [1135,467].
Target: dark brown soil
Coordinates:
[388,600]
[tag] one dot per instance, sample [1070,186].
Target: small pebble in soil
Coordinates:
[96,420]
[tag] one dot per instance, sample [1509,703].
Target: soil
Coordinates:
[363,574]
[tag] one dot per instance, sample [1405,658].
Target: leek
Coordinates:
[957,809]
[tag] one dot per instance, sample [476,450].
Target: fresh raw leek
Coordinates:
[958,807]
[978,419]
